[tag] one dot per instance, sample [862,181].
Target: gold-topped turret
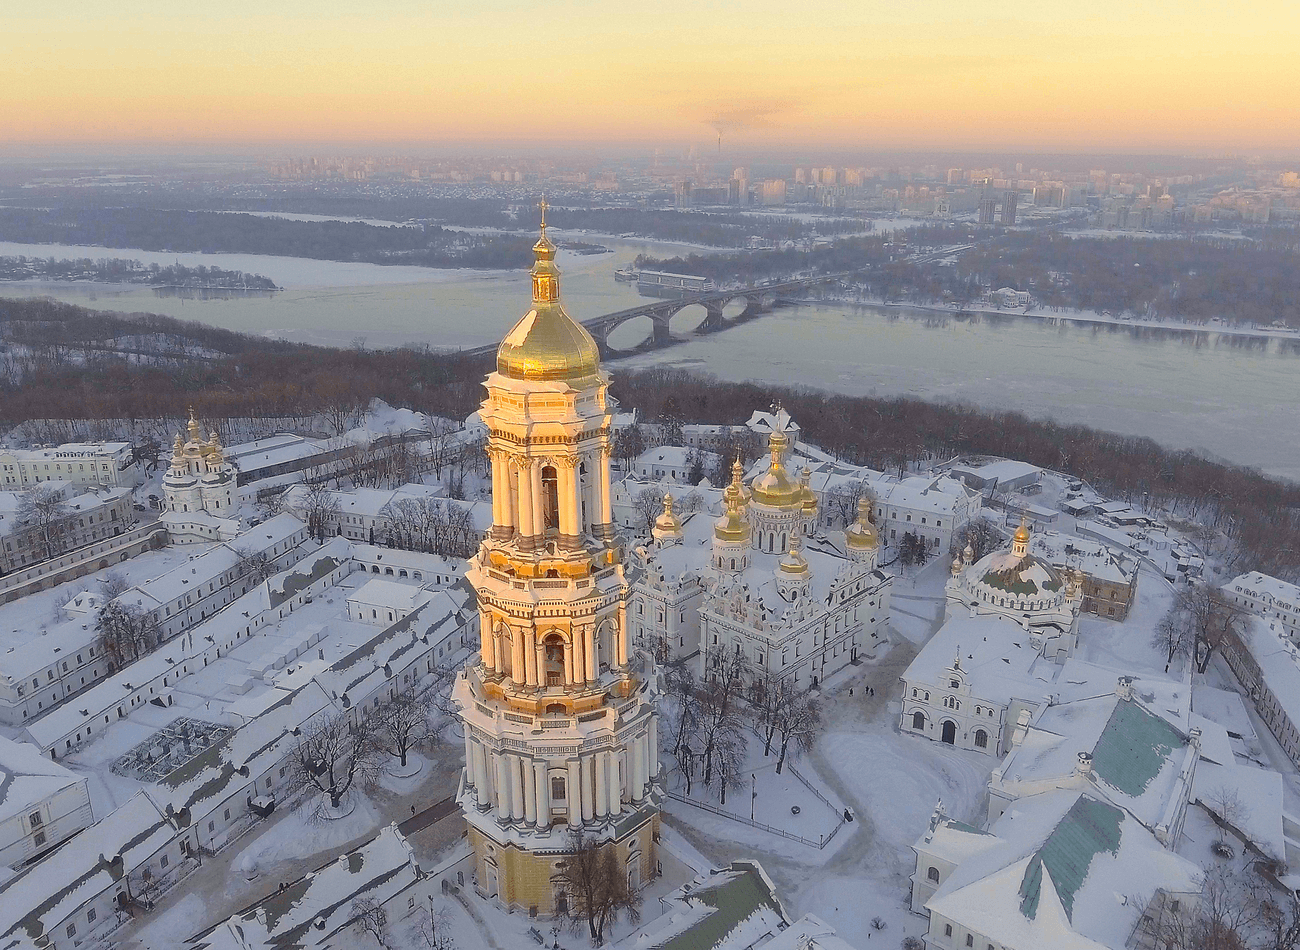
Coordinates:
[793,562]
[733,525]
[862,535]
[1020,541]
[195,430]
[547,344]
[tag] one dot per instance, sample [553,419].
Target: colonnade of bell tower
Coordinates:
[558,496]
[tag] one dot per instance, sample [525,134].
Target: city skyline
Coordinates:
[846,75]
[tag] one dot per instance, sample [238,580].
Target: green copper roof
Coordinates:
[1133,748]
[738,897]
[1088,828]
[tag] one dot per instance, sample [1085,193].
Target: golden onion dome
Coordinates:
[775,487]
[667,522]
[547,343]
[862,534]
[1022,533]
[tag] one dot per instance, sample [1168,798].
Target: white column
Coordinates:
[579,654]
[530,656]
[653,760]
[525,492]
[543,794]
[516,787]
[574,791]
[623,647]
[499,646]
[615,787]
[528,779]
[602,784]
[589,650]
[485,789]
[539,509]
[487,649]
[636,769]
[469,759]
[498,502]
[565,497]
[568,660]
[606,515]
[588,799]
[503,786]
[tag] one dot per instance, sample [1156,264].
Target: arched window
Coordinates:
[918,720]
[981,739]
[933,875]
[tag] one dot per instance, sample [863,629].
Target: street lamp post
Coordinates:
[753,793]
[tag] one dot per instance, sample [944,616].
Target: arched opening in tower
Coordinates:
[554,659]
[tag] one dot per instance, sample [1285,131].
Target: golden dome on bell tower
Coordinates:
[547,344]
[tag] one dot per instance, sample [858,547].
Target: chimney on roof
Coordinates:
[1084,767]
[1124,688]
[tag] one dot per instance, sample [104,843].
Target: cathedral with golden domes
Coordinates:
[763,583]
[558,708]
[199,489]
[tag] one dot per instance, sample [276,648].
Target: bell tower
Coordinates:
[558,713]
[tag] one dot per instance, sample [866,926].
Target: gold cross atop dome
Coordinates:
[542,206]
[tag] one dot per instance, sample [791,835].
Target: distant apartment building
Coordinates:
[774,191]
[1009,207]
[84,464]
[988,210]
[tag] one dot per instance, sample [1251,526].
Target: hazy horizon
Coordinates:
[1200,77]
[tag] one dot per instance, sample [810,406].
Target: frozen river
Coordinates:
[1237,398]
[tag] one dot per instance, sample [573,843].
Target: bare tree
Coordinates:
[841,502]
[43,507]
[1228,809]
[799,725]
[1172,637]
[257,566]
[126,632]
[596,891]
[435,931]
[769,696]
[403,723]
[981,534]
[444,446]
[319,508]
[335,756]
[371,917]
[648,503]
[629,443]
[113,584]
[1211,618]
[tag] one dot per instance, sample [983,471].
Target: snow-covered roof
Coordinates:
[731,908]
[27,778]
[313,910]
[1276,593]
[1058,875]
[1088,554]
[997,656]
[91,862]
[389,594]
[1138,758]
[1257,792]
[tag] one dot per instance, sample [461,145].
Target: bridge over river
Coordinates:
[758,300]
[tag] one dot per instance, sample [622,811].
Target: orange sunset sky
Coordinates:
[978,74]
